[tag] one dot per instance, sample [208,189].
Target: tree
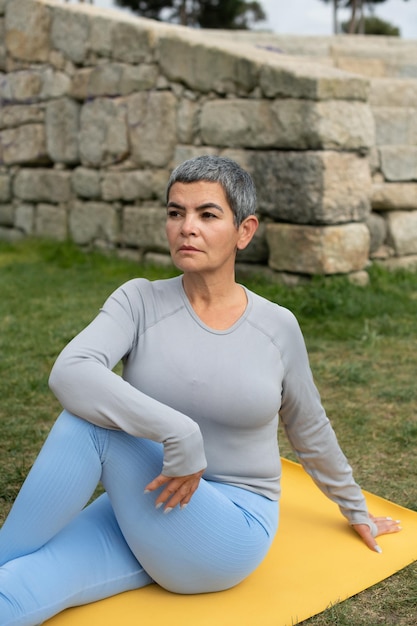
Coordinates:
[227,14]
[356,23]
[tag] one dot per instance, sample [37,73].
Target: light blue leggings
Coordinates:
[54,553]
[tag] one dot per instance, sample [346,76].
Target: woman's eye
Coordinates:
[208,215]
[172,213]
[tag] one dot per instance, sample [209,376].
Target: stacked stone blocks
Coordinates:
[98,106]
[390,64]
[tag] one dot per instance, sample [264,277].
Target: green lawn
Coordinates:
[362,344]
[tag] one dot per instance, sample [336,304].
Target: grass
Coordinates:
[362,349]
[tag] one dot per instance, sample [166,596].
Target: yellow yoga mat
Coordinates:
[316,560]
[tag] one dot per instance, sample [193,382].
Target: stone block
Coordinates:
[242,123]
[393,92]
[159,183]
[19,114]
[183,153]
[138,78]
[402,232]
[23,145]
[55,84]
[92,221]
[394,264]
[399,163]
[130,186]
[206,66]
[58,62]
[26,86]
[80,83]
[6,215]
[383,252]
[70,33]
[158,258]
[395,126]
[28,26]
[42,185]
[283,76]
[131,42]
[25,218]
[377,226]
[360,279]
[5,188]
[86,183]
[102,80]
[339,125]
[101,35]
[287,123]
[309,187]
[51,221]
[144,227]
[112,79]
[389,196]
[369,67]
[152,127]
[103,137]
[21,87]
[318,249]
[11,235]
[62,126]
[407,71]
[2,43]
[187,120]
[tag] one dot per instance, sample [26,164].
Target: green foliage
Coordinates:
[358,22]
[373,25]
[362,350]
[227,14]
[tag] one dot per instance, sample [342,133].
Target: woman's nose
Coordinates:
[188,226]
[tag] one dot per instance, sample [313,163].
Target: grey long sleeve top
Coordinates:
[211,397]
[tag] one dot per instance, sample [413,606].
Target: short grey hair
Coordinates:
[237,184]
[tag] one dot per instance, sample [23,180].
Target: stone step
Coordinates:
[393,92]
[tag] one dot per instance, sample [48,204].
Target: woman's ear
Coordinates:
[247,229]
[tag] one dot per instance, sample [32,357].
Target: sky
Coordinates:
[314,17]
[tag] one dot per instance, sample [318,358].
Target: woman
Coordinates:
[185,442]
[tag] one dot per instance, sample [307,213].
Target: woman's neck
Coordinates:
[219,304]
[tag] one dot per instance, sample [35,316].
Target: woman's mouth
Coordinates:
[188,249]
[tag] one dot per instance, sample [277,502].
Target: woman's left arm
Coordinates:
[384,526]
[314,441]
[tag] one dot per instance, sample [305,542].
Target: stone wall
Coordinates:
[390,64]
[98,106]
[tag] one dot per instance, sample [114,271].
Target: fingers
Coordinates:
[384,525]
[157,482]
[176,491]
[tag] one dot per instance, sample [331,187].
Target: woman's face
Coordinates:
[201,232]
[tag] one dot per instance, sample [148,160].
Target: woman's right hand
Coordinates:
[177,490]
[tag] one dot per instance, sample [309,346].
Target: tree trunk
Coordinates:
[335,25]
[352,23]
[183,13]
[362,18]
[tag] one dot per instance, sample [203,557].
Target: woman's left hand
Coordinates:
[178,490]
[385,526]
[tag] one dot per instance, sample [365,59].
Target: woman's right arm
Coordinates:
[83,381]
